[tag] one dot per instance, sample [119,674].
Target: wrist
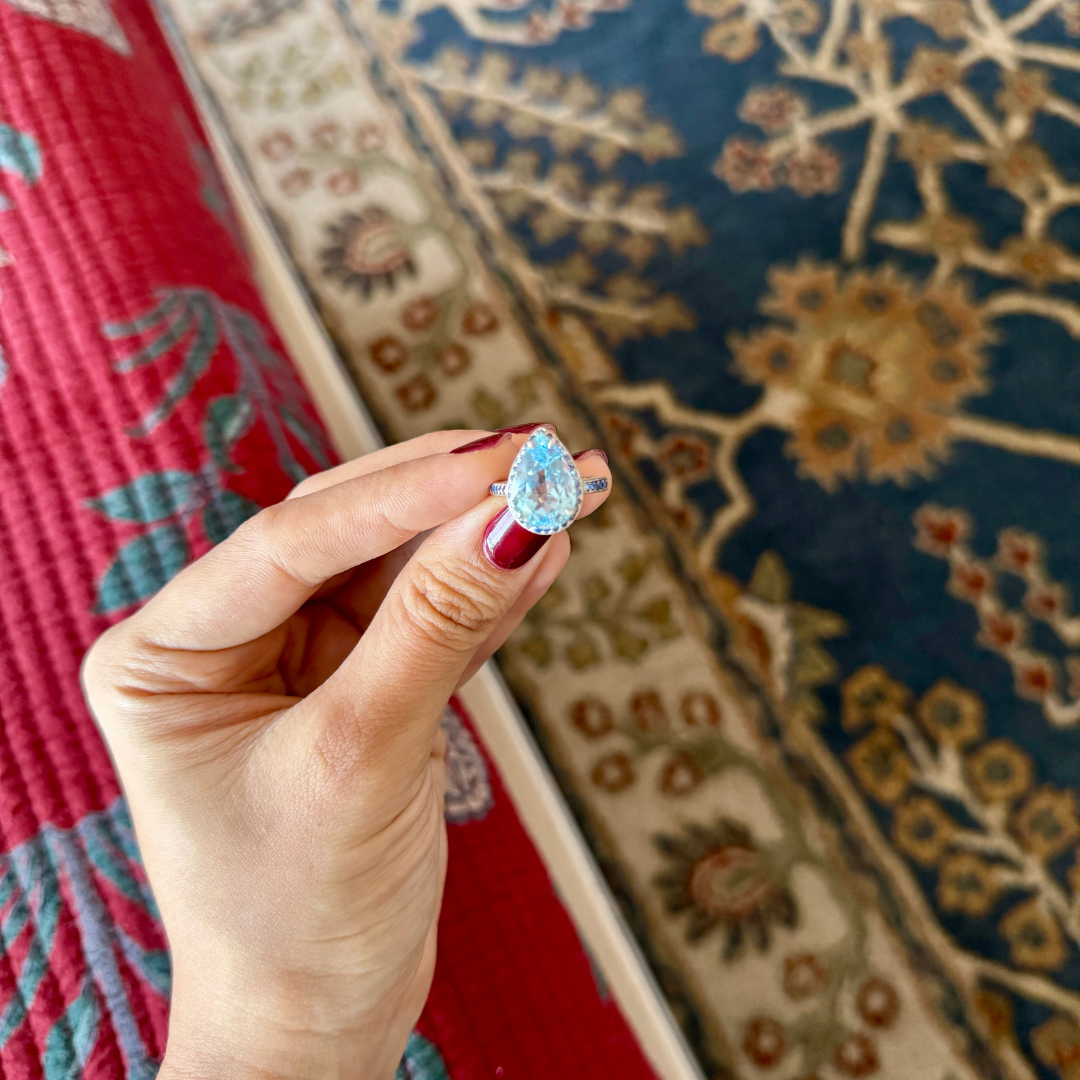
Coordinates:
[212,1035]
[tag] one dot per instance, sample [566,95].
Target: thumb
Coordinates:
[374,720]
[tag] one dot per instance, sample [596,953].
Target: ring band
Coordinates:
[590,487]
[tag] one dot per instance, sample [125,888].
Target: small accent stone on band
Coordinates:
[590,487]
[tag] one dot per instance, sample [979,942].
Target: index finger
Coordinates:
[253,581]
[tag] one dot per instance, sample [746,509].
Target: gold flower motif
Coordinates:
[936,69]
[923,143]
[1025,91]
[923,830]
[881,765]
[1056,1043]
[1046,824]
[873,364]
[1021,169]
[1034,936]
[967,884]
[735,33]
[772,108]
[1000,771]
[733,39]
[1039,262]
[946,18]
[951,715]
[870,696]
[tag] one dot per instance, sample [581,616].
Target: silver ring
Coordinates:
[544,490]
[590,487]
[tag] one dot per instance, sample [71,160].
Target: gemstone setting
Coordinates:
[544,488]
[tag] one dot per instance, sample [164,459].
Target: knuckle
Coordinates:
[454,607]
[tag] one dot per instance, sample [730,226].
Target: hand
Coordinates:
[274,718]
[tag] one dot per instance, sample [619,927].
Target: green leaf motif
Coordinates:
[422,1061]
[228,419]
[141,567]
[225,513]
[308,435]
[20,154]
[73,1036]
[148,498]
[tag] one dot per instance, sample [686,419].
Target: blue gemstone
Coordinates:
[544,489]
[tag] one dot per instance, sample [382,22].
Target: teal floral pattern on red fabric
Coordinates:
[89,876]
[190,325]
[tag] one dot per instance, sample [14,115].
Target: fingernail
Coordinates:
[507,545]
[594,452]
[488,441]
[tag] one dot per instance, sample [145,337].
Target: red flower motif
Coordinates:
[649,712]
[344,181]
[419,314]
[624,431]
[938,530]
[277,146]
[813,170]
[1046,601]
[684,456]
[388,353]
[700,710]
[368,138]
[479,319]
[804,976]
[1002,631]
[746,165]
[613,773]
[536,28]
[591,717]
[1036,679]
[680,775]
[454,359]
[878,1003]
[856,1057]
[326,135]
[296,182]
[574,15]
[764,1042]
[970,580]
[773,108]
[1019,551]
[417,394]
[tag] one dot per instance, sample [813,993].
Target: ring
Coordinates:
[544,490]
[589,487]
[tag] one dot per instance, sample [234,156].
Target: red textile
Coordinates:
[145,409]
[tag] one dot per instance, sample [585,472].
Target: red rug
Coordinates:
[146,409]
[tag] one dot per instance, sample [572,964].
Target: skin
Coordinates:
[273,714]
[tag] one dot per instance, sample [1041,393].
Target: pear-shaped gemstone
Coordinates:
[544,489]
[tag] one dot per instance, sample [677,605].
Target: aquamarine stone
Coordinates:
[544,488]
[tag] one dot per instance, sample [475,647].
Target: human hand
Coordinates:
[273,714]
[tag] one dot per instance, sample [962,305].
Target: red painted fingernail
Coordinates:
[488,441]
[594,452]
[507,545]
